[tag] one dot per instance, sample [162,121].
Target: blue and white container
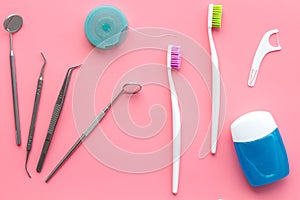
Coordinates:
[259,148]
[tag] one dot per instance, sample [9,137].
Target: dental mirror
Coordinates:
[12,24]
[127,88]
[132,88]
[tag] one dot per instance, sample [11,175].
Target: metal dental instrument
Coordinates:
[12,24]
[34,113]
[129,88]
[55,116]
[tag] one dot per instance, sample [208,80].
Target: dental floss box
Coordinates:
[259,148]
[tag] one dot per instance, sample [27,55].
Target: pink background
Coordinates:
[56,28]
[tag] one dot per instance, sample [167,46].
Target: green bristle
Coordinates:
[217,16]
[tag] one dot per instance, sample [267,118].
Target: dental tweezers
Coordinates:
[34,113]
[55,116]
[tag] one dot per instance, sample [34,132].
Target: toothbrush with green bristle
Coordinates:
[214,21]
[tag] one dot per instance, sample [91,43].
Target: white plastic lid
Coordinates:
[252,126]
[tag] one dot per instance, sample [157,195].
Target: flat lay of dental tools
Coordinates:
[257,143]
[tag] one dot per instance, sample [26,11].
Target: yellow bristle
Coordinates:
[217,16]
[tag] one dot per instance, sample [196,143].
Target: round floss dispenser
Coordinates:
[105,27]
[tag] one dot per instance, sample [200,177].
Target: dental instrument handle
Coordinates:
[84,135]
[176,133]
[33,120]
[15,93]
[34,113]
[91,127]
[75,146]
[66,157]
[50,133]
[36,105]
[215,93]
[78,142]
[55,116]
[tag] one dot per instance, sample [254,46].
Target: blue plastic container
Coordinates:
[259,148]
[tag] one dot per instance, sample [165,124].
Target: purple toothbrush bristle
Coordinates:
[175,57]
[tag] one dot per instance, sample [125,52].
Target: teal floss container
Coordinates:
[105,27]
[259,148]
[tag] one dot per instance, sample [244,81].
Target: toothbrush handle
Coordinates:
[176,143]
[176,126]
[15,97]
[215,93]
[215,109]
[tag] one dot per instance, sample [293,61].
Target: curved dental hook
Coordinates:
[43,67]
[34,113]
[27,155]
[73,67]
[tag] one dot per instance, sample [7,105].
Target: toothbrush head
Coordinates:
[214,16]
[175,57]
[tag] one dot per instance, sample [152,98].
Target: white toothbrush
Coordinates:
[173,62]
[214,21]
